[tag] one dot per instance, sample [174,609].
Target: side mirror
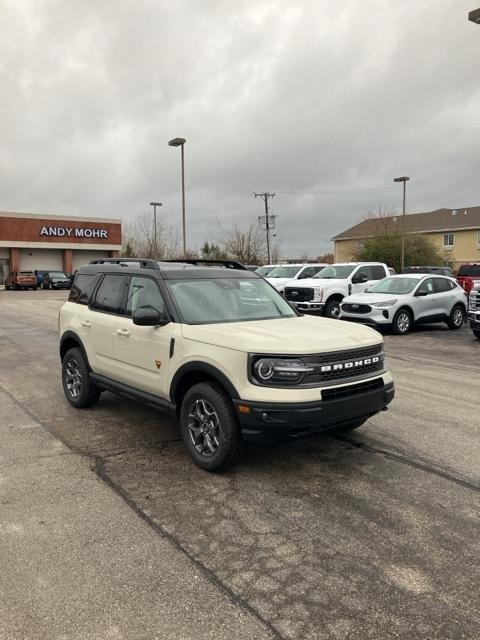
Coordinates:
[149,317]
[421,293]
[360,278]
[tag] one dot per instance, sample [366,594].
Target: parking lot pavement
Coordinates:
[374,535]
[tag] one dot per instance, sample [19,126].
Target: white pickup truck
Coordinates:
[324,292]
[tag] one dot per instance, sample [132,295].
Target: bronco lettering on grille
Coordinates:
[341,366]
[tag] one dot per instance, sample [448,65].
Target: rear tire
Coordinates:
[457,317]
[402,322]
[77,386]
[209,427]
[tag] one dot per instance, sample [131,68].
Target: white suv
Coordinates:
[400,301]
[326,290]
[220,349]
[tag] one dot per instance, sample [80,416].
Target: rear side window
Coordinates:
[378,272]
[109,295]
[469,270]
[441,285]
[82,288]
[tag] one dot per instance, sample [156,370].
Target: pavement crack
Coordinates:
[416,464]
[153,523]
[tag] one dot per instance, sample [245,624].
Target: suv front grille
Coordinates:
[356,308]
[339,366]
[299,294]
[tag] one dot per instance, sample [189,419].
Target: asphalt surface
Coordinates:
[375,535]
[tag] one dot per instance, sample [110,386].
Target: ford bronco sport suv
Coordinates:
[219,348]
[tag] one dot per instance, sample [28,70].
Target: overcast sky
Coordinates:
[322,102]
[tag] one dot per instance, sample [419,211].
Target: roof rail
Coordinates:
[144,263]
[229,264]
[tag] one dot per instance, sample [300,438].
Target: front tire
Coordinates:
[332,309]
[456,318]
[77,386]
[477,334]
[402,322]
[209,427]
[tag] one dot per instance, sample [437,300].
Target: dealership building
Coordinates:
[30,241]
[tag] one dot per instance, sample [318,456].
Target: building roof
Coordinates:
[432,221]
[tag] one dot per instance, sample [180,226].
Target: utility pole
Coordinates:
[155,205]
[269,221]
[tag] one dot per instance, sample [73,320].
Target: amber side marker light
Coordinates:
[243,408]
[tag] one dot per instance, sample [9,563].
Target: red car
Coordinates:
[21,280]
[468,275]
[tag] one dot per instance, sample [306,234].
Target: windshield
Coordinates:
[264,271]
[472,270]
[339,272]
[397,286]
[223,300]
[57,274]
[284,272]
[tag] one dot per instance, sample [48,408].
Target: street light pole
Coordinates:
[403,179]
[179,142]
[155,205]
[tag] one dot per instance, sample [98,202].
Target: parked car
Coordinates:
[325,291]
[55,280]
[288,273]
[220,349]
[440,271]
[266,269]
[398,302]
[468,275]
[474,310]
[21,280]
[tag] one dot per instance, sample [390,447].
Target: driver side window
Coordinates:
[426,286]
[144,293]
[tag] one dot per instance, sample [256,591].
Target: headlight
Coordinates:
[279,370]
[387,303]
[317,295]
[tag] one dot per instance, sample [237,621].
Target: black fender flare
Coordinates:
[71,335]
[204,367]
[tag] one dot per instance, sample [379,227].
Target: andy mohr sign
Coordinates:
[73,232]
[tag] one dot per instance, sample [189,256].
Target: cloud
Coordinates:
[321,102]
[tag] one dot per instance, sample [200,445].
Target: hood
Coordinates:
[369,298]
[278,283]
[298,335]
[317,282]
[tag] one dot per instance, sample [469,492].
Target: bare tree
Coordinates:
[139,238]
[248,246]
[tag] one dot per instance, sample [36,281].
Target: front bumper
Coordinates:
[376,318]
[60,285]
[269,423]
[312,307]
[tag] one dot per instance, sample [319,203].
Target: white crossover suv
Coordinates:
[220,349]
[400,301]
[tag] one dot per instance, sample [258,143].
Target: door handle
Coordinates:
[123,332]
[86,323]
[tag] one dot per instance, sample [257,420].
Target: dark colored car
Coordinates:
[439,271]
[55,280]
[21,280]
[468,276]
